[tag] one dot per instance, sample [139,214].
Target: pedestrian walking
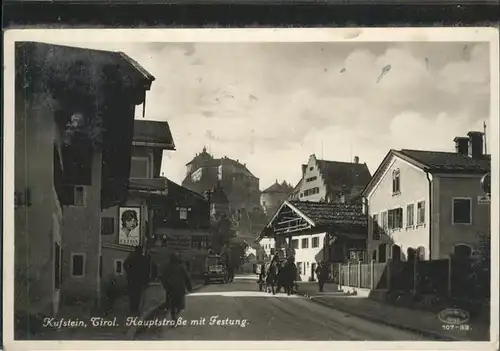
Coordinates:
[290,273]
[279,281]
[271,278]
[322,275]
[175,280]
[136,269]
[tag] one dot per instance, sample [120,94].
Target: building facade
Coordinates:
[317,231]
[131,223]
[331,181]
[239,184]
[272,197]
[428,204]
[68,166]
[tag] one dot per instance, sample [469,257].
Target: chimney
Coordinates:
[356,159]
[304,168]
[475,144]
[462,145]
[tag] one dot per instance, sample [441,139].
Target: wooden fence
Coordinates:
[446,277]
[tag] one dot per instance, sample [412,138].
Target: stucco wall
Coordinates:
[312,171]
[35,226]
[414,187]
[453,234]
[81,227]
[308,256]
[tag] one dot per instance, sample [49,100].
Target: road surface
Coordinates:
[259,316]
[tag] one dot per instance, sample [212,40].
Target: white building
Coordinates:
[428,203]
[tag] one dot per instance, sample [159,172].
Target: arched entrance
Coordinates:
[462,251]
[396,252]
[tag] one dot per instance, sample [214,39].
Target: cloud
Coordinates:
[273,105]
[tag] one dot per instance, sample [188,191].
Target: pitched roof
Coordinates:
[447,161]
[332,214]
[154,132]
[344,174]
[278,188]
[157,184]
[175,190]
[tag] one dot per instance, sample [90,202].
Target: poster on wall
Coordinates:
[130,229]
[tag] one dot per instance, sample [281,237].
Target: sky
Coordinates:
[272,105]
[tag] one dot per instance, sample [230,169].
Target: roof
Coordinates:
[434,162]
[175,190]
[327,214]
[154,184]
[57,60]
[153,132]
[447,161]
[204,159]
[278,188]
[344,174]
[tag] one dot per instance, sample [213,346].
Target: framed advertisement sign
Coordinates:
[130,229]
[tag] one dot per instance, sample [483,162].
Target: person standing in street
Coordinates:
[290,273]
[322,275]
[136,268]
[175,280]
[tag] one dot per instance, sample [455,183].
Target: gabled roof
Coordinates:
[344,174]
[337,217]
[433,162]
[153,133]
[337,214]
[278,188]
[446,161]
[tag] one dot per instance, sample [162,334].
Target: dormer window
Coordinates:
[396,185]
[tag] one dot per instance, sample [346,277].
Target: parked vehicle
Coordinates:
[215,270]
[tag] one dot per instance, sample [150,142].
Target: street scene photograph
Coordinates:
[252,190]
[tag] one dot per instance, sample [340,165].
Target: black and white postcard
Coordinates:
[251,189]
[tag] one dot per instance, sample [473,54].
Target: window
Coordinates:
[107,225]
[385,224]
[311,179]
[305,243]
[272,251]
[421,212]
[57,266]
[299,266]
[396,186]
[78,265]
[76,195]
[376,228]
[315,241]
[295,244]
[183,212]
[410,214]
[395,218]
[311,168]
[199,242]
[118,267]
[139,167]
[462,211]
